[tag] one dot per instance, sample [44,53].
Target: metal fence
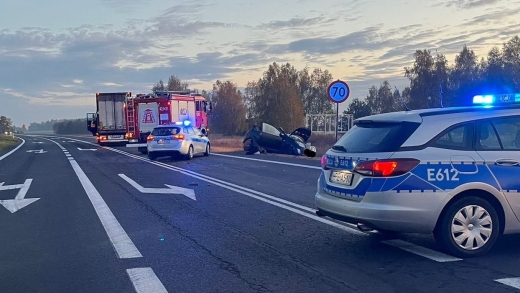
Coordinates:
[326,123]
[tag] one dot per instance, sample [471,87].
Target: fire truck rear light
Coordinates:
[179,136]
[150,138]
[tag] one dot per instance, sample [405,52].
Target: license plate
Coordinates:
[341,177]
[162,141]
[116,136]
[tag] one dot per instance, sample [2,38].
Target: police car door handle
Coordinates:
[506,162]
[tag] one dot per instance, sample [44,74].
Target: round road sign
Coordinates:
[338,91]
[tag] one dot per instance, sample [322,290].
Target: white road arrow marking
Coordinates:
[37,151]
[19,202]
[87,149]
[170,190]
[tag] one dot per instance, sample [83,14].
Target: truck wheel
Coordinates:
[468,227]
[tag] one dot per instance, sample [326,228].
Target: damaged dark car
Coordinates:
[270,139]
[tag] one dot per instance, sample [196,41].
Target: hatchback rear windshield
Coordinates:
[376,137]
[166,131]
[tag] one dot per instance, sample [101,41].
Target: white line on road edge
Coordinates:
[404,245]
[121,242]
[422,251]
[513,282]
[145,281]
[268,161]
[14,150]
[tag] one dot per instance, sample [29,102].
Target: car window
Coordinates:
[166,131]
[195,130]
[508,130]
[269,129]
[189,130]
[377,137]
[487,138]
[459,138]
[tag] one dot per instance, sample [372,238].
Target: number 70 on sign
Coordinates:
[338,91]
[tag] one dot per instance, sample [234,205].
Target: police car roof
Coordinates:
[417,115]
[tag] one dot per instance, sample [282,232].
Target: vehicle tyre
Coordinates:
[468,227]
[287,150]
[248,145]
[151,156]
[190,154]
[143,151]
[208,149]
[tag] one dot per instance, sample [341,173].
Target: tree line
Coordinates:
[435,83]
[6,125]
[284,95]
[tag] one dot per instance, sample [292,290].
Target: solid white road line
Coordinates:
[121,242]
[513,282]
[268,161]
[422,251]
[404,245]
[145,281]
[14,150]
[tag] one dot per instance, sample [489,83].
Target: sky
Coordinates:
[56,54]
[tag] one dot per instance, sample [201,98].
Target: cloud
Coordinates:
[111,84]
[467,4]
[77,81]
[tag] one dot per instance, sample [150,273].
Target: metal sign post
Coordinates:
[338,93]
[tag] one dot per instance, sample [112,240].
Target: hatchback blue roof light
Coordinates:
[186,122]
[496,99]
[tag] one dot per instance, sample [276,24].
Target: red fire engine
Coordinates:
[146,111]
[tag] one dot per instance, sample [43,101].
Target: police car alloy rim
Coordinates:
[471,227]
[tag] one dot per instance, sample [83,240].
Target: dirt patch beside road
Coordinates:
[7,141]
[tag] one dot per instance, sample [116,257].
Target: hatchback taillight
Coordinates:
[150,138]
[179,136]
[386,168]
[324,162]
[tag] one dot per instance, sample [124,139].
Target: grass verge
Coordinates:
[7,141]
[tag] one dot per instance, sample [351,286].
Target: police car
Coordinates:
[451,171]
[180,138]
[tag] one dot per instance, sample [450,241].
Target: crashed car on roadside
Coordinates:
[275,140]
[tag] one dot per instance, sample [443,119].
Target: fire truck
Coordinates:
[146,111]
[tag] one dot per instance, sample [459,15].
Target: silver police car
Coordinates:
[180,138]
[451,171]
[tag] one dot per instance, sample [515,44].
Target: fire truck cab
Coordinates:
[146,111]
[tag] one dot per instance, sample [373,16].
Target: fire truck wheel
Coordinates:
[189,156]
[206,153]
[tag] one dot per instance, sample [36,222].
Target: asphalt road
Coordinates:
[105,221]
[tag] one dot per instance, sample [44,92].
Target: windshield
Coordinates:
[166,131]
[376,137]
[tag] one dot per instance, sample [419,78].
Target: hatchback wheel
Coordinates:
[468,228]
[151,156]
[206,153]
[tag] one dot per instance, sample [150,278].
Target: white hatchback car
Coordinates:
[176,139]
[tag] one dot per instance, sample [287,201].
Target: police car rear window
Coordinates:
[166,131]
[375,137]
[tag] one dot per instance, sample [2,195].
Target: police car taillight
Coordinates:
[324,162]
[150,137]
[179,136]
[386,168]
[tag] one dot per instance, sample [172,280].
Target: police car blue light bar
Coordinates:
[496,99]
[186,122]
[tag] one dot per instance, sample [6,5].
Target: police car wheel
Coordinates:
[468,228]
[151,156]
[189,156]
[206,153]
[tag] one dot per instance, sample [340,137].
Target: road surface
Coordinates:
[82,218]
